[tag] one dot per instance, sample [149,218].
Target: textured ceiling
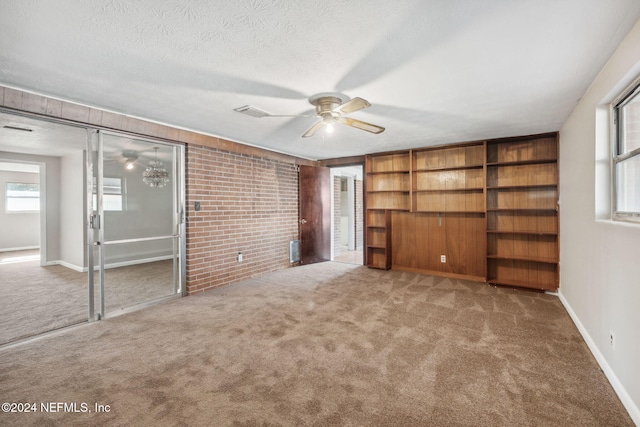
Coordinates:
[434,71]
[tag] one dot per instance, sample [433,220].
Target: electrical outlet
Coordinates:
[443,258]
[239,256]
[611,338]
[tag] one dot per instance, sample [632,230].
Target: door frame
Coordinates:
[337,172]
[94,138]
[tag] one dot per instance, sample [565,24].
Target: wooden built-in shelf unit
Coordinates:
[522,212]
[388,189]
[379,238]
[490,207]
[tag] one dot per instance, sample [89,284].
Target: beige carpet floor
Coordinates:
[321,345]
[35,299]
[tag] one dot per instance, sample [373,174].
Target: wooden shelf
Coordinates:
[512,187]
[451,212]
[522,162]
[449,157]
[449,190]
[448,168]
[537,233]
[519,258]
[523,175]
[392,163]
[377,246]
[388,191]
[521,210]
[389,172]
[523,150]
[378,239]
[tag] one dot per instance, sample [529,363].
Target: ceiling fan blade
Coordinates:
[292,115]
[258,113]
[313,129]
[353,105]
[361,125]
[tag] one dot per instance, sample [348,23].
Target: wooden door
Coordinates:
[315,214]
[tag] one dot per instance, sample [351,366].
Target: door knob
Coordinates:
[303,221]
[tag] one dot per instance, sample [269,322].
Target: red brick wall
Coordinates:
[249,204]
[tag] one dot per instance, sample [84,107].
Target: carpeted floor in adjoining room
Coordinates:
[35,299]
[324,344]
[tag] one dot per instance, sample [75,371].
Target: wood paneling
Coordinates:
[449,201]
[449,157]
[403,240]
[532,149]
[419,239]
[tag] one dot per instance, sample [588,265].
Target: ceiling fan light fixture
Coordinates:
[329,127]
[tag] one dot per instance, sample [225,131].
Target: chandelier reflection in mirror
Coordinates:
[155,176]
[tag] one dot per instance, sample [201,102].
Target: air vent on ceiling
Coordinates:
[252,111]
[17,128]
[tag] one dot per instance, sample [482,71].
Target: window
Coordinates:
[626,155]
[23,197]
[112,194]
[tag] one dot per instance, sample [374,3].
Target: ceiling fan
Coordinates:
[331,108]
[128,158]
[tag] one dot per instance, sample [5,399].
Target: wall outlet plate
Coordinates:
[443,258]
[611,342]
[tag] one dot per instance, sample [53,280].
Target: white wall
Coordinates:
[72,248]
[599,259]
[148,212]
[51,244]
[21,229]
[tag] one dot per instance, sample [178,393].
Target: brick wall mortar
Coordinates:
[248,204]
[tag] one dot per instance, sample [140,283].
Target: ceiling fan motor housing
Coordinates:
[326,106]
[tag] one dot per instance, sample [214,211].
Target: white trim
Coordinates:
[618,222]
[24,248]
[44,241]
[137,261]
[68,265]
[629,404]
[112,265]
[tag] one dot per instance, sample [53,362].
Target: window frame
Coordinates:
[630,93]
[21,211]
[122,194]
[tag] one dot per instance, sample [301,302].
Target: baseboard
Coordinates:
[24,248]
[629,404]
[112,265]
[68,265]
